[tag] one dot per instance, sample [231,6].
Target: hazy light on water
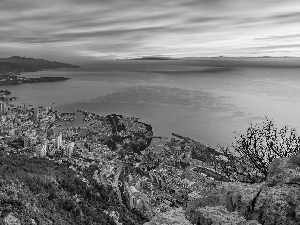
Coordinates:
[206,106]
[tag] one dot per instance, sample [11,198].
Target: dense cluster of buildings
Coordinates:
[144,180]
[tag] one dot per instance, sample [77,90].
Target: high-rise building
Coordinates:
[58,140]
[35,113]
[27,142]
[43,150]
[69,133]
[25,107]
[69,149]
[2,107]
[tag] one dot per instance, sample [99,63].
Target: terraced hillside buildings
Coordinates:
[114,151]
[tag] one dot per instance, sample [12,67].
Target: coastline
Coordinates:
[111,150]
[15,80]
[11,68]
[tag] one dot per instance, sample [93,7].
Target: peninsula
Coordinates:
[11,68]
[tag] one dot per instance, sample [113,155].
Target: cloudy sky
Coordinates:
[91,29]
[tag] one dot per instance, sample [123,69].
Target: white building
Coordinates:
[2,107]
[58,141]
[11,132]
[3,119]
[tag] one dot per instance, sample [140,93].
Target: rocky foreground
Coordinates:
[276,201]
[38,191]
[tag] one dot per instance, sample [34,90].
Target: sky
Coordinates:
[75,30]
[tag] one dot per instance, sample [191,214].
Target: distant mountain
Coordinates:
[266,61]
[13,66]
[30,64]
[153,58]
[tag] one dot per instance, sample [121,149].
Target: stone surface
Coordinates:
[218,215]
[10,219]
[172,217]
[284,171]
[234,196]
[279,201]
[278,205]
[237,196]
[276,201]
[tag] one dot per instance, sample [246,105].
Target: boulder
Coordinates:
[277,205]
[279,201]
[234,196]
[237,196]
[275,201]
[10,219]
[284,171]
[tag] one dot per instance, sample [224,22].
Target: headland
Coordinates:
[11,68]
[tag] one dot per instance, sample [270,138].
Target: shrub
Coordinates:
[67,205]
[252,152]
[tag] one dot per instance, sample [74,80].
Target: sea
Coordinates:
[210,104]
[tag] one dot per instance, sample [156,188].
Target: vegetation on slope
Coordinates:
[39,190]
[12,68]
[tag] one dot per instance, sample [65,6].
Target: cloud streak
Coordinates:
[109,28]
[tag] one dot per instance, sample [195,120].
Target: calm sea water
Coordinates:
[205,103]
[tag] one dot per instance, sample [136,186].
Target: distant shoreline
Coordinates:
[11,67]
[268,62]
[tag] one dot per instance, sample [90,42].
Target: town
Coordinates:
[149,174]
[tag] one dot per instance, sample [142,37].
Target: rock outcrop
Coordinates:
[219,215]
[275,201]
[10,219]
[172,217]
[279,200]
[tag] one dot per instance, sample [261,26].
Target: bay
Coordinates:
[204,103]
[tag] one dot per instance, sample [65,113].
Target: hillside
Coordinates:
[36,64]
[39,191]
[12,68]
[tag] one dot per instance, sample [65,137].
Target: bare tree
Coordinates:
[250,154]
